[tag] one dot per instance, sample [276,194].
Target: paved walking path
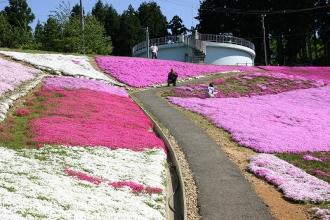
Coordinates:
[223,192]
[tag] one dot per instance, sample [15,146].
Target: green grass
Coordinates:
[15,134]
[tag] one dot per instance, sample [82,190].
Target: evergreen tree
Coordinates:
[151,16]
[131,32]
[112,28]
[109,17]
[75,12]
[176,26]
[38,35]
[94,40]
[52,37]
[100,11]
[19,14]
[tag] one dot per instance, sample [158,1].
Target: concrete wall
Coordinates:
[228,54]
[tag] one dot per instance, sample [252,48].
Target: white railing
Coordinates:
[159,41]
[196,43]
[226,39]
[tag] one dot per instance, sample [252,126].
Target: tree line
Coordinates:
[295,32]
[105,31]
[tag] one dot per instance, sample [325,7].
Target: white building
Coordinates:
[201,48]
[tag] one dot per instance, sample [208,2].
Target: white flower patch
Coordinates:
[70,65]
[34,184]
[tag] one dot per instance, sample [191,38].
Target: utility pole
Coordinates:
[147,41]
[263,29]
[82,22]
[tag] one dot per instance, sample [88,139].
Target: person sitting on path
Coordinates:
[209,93]
[172,77]
[154,50]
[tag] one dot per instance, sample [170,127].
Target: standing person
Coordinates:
[154,50]
[209,93]
[171,78]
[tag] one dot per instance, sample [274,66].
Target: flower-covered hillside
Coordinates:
[142,72]
[59,64]
[308,72]
[245,85]
[14,74]
[295,121]
[79,149]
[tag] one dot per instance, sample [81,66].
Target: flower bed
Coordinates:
[246,85]
[76,83]
[295,121]
[309,72]
[70,65]
[38,184]
[13,74]
[141,72]
[105,162]
[295,183]
[103,119]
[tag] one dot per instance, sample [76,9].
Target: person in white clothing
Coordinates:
[154,50]
[209,93]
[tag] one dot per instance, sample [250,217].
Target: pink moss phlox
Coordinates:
[13,74]
[218,81]
[76,61]
[310,157]
[278,84]
[295,183]
[29,102]
[321,173]
[136,188]
[2,128]
[103,119]
[141,72]
[323,214]
[318,74]
[77,83]
[83,176]
[295,121]
[23,112]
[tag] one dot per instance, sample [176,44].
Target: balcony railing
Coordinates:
[201,37]
[226,39]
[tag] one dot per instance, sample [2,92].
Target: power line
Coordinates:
[244,11]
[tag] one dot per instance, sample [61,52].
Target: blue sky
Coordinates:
[185,9]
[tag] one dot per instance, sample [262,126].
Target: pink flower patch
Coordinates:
[102,119]
[135,187]
[23,112]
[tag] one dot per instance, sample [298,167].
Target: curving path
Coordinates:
[224,193]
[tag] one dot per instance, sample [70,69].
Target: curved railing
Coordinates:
[202,37]
[226,39]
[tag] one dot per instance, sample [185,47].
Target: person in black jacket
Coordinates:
[171,78]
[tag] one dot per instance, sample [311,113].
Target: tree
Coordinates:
[112,28]
[13,36]
[100,11]
[19,14]
[131,32]
[52,37]
[38,34]
[109,17]
[75,12]
[176,26]
[95,41]
[151,16]
[63,33]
